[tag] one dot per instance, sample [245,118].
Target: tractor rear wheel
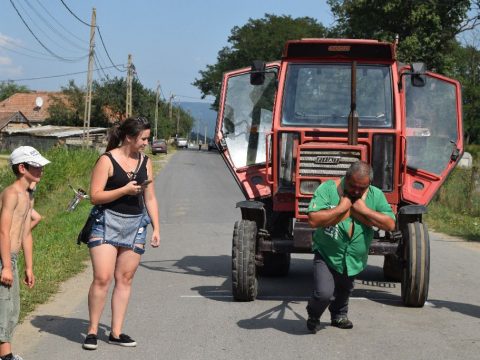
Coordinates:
[275,264]
[416,264]
[244,277]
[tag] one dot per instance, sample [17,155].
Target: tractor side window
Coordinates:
[431,127]
[247,118]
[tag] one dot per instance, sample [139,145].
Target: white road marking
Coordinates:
[207,296]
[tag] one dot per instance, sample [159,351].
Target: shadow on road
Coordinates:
[72,329]
[462,308]
[297,286]
[275,318]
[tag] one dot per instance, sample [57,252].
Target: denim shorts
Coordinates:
[9,305]
[97,235]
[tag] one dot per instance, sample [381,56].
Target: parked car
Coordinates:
[212,145]
[182,143]
[159,146]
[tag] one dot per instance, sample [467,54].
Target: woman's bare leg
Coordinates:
[127,264]
[104,258]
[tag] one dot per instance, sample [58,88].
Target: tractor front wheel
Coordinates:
[416,264]
[244,277]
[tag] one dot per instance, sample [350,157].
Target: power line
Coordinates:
[74,15]
[54,19]
[191,97]
[15,44]
[52,28]
[38,40]
[54,76]
[99,33]
[105,48]
[45,28]
[99,67]
[28,55]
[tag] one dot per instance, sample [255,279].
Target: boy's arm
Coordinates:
[27,245]
[10,199]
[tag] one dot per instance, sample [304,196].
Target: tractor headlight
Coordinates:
[308,187]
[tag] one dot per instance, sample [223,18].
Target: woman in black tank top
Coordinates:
[117,185]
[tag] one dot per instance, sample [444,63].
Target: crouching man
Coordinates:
[343,213]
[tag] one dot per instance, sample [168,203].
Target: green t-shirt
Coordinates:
[342,253]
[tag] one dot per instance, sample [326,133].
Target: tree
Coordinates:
[68,109]
[467,71]
[8,88]
[258,39]
[426,29]
[109,106]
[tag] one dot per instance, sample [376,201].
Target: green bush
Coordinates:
[455,210]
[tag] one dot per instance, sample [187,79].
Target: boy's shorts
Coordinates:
[9,305]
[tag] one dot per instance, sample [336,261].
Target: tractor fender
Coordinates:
[411,213]
[253,211]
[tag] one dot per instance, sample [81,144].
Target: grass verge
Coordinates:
[455,210]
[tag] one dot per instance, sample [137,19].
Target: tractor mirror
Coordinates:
[418,77]
[257,74]
[418,80]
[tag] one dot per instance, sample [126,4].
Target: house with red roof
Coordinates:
[33,105]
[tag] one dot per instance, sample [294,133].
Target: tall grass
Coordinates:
[456,208]
[56,254]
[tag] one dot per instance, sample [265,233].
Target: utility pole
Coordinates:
[156,111]
[198,130]
[128,110]
[88,96]
[205,139]
[170,108]
[178,119]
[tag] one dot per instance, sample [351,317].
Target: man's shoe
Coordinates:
[90,342]
[342,323]
[122,340]
[313,324]
[313,321]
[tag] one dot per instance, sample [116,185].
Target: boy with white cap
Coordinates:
[15,233]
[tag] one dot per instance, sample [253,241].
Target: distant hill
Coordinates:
[202,115]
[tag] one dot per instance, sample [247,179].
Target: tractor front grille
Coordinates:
[323,163]
[326,162]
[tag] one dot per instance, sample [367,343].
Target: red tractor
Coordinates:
[285,127]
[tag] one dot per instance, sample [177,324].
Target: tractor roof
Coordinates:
[339,48]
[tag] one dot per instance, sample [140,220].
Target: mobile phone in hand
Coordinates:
[145,183]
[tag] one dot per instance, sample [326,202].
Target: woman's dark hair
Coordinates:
[131,127]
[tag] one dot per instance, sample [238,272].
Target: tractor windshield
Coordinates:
[319,95]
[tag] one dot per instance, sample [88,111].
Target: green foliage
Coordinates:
[467,71]
[426,29]
[56,254]
[9,88]
[67,110]
[455,210]
[258,39]
[109,105]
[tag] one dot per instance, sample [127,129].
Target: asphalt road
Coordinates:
[181,305]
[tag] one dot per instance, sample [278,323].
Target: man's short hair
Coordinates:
[361,168]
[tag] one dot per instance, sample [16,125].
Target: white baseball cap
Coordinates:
[29,155]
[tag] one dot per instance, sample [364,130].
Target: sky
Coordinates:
[170,41]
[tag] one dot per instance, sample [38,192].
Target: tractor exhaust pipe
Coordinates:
[353,116]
